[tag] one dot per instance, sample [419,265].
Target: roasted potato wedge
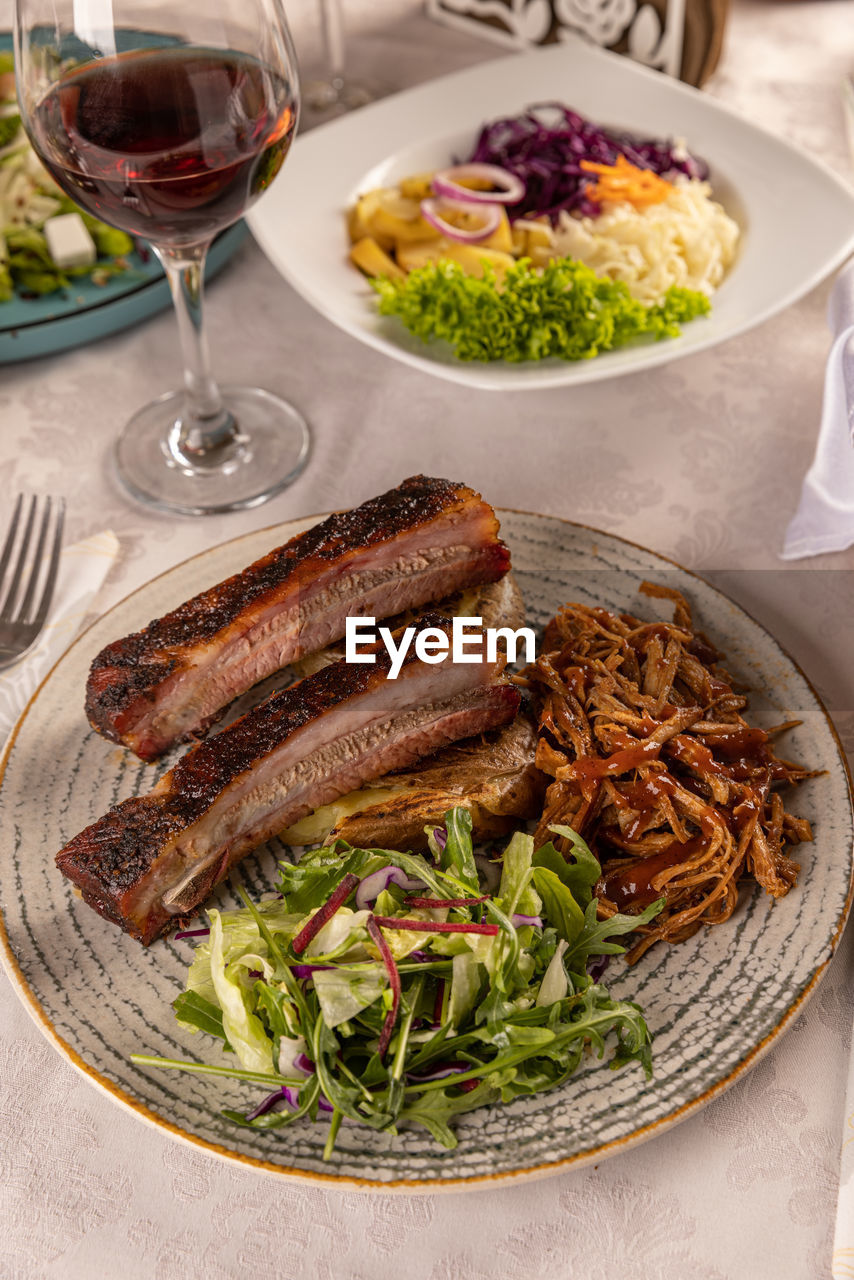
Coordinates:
[367,255]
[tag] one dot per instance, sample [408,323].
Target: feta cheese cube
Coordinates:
[68,241]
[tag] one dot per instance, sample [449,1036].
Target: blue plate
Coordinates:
[85,312]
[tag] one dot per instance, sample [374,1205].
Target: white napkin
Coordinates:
[82,569]
[824,520]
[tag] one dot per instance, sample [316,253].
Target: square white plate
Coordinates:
[797,217]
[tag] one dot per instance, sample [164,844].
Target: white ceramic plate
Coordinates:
[797,216]
[714,1003]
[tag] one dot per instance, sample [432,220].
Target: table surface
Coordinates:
[701,460]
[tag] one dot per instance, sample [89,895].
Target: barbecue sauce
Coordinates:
[631,885]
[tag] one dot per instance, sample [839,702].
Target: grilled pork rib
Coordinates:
[158,856]
[417,543]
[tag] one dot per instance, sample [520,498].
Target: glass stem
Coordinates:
[206,426]
[332,23]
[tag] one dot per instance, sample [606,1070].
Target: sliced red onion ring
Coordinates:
[276,1101]
[306,970]
[440,835]
[507,188]
[282,1098]
[190,933]
[520,921]
[372,886]
[431,211]
[302,1062]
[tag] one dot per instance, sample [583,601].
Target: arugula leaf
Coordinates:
[435,1111]
[198,1014]
[579,873]
[592,941]
[307,884]
[559,904]
[458,855]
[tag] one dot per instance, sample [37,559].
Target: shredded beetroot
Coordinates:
[435,926]
[445,902]
[373,927]
[321,917]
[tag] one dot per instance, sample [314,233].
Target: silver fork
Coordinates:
[30,588]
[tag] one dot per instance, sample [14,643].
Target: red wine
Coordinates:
[169,144]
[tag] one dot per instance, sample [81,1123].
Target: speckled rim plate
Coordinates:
[716,1003]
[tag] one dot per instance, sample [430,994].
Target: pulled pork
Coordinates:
[655,766]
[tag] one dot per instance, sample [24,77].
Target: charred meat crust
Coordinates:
[131,669]
[112,858]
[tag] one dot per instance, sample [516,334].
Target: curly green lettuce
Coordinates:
[564,311]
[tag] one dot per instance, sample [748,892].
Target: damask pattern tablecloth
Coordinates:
[701,460]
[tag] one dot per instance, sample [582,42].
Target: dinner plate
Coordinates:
[85,312]
[714,1003]
[797,217]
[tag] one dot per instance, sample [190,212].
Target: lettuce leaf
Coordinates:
[564,311]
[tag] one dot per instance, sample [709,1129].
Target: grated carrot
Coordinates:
[624,181]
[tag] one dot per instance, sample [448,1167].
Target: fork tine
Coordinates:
[50,581]
[6,611]
[35,571]
[10,536]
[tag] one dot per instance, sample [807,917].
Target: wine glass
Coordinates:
[336,92]
[169,120]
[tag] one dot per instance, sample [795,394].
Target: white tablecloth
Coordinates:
[701,460]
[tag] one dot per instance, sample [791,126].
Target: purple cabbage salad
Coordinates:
[545,145]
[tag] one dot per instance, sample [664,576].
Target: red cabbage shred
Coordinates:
[545,146]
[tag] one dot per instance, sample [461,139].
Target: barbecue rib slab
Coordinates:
[417,543]
[156,857]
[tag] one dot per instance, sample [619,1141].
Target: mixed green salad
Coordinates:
[392,989]
[28,198]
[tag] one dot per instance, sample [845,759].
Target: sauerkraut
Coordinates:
[687,240]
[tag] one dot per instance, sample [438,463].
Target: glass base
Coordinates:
[265,454]
[326,99]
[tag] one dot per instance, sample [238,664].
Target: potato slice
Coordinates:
[471,258]
[419,253]
[367,255]
[541,255]
[502,237]
[402,230]
[539,237]
[359,220]
[419,187]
